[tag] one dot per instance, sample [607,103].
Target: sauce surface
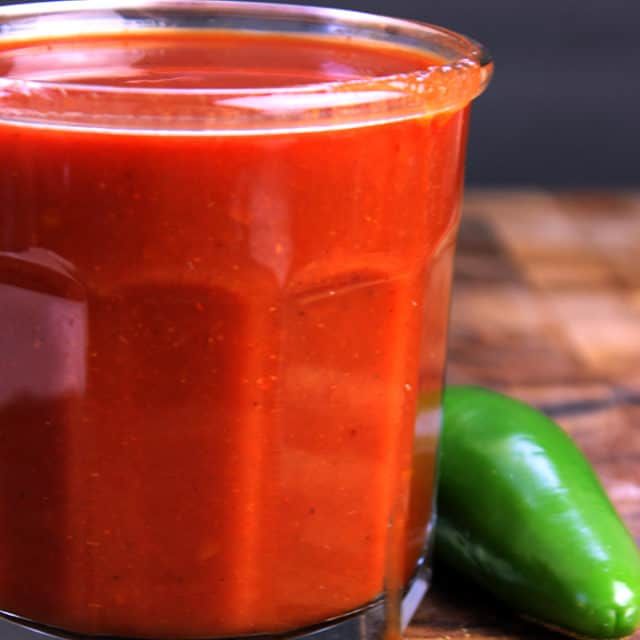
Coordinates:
[211,347]
[196,59]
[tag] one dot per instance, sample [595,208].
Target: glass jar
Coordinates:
[226,243]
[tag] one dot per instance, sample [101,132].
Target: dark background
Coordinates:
[563,107]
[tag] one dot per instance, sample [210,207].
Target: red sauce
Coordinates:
[211,347]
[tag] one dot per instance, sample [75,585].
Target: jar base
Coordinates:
[367,623]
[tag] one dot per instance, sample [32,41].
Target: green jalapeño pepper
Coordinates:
[522,513]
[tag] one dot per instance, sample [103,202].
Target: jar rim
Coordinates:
[462,75]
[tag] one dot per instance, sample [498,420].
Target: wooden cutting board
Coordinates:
[547,308]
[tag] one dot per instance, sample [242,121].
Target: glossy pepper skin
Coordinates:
[522,513]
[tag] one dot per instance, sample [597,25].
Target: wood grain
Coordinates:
[547,308]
